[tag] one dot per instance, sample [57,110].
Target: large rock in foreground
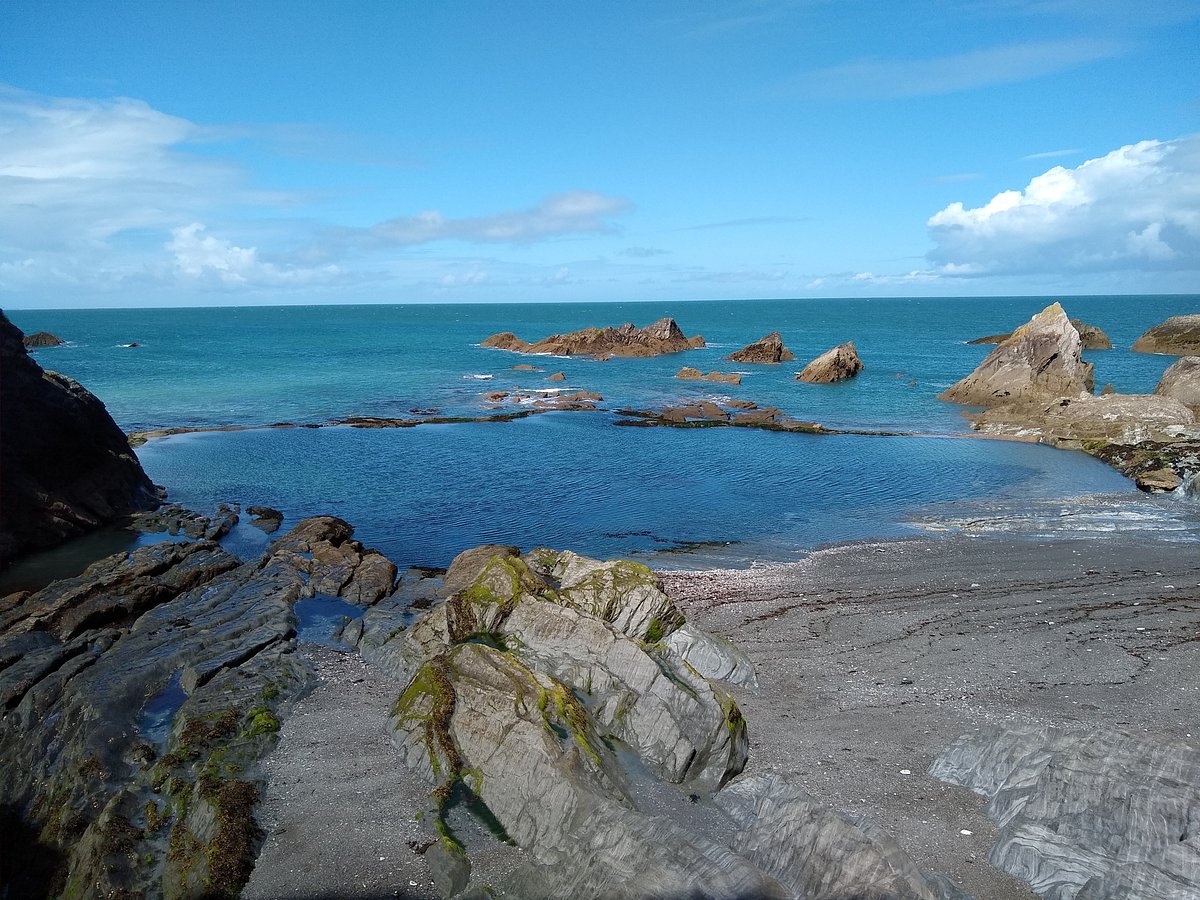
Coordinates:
[838,364]
[66,467]
[664,336]
[1179,336]
[767,349]
[1182,382]
[1112,418]
[1041,360]
[1090,814]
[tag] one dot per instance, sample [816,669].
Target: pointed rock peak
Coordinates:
[665,330]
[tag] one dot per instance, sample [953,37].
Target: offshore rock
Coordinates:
[66,467]
[1041,360]
[767,349]
[1100,814]
[687,373]
[663,336]
[1178,336]
[1182,382]
[838,364]
[42,339]
[1092,337]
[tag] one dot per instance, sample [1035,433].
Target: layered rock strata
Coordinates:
[663,336]
[687,373]
[1099,814]
[837,364]
[66,467]
[767,349]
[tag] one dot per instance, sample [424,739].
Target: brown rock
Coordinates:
[557,376]
[1158,481]
[505,340]
[42,339]
[663,336]
[1179,336]
[768,349]
[838,364]
[1114,419]
[1041,360]
[768,416]
[689,374]
[1091,336]
[525,367]
[1182,382]
[741,404]
[495,396]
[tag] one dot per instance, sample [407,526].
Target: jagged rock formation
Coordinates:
[158,678]
[1040,361]
[838,364]
[42,339]
[1178,336]
[1092,337]
[664,336]
[66,466]
[706,413]
[1182,382]
[1088,814]
[687,373]
[767,349]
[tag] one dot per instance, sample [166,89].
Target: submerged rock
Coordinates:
[767,349]
[66,468]
[663,336]
[1179,335]
[1100,813]
[1182,382]
[838,364]
[1041,360]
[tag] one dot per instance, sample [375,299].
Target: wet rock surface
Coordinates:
[1096,813]
[837,364]
[767,349]
[66,467]
[663,336]
[1178,336]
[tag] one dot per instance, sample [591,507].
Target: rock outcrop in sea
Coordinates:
[42,339]
[767,349]
[1100,814]
[687,373]
[65,466]
[1178,336]
[663,336]
[1040,360]
[1092,337]
[837,364]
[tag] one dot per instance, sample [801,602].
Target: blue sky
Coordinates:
[154,154]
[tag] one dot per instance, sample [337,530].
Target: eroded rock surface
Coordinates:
[1179,336]
[42,339]
[837,364]
[767,349]
[1092,337]
[1087,814]
[1182,382]
[1041,360]
[663,336]
[66,467]
[687,373]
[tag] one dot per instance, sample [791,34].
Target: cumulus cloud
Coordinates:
[206,258]
[1136,208]
[560,215]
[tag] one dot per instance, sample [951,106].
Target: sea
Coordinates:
[672,497]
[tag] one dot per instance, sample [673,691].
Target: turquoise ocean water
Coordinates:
[571,479]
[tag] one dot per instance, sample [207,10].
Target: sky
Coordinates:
[312,151]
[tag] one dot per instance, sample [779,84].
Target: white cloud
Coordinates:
[875,78]
[1136,208]
[218,261]
[574,212]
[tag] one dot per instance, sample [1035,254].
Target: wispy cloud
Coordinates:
[1052,154]
[741,223]
[1136,208]
[560,215]
[891,78]
[643,252]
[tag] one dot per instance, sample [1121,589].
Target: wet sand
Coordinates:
[873,657]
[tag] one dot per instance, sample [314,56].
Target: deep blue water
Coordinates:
[572,479]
